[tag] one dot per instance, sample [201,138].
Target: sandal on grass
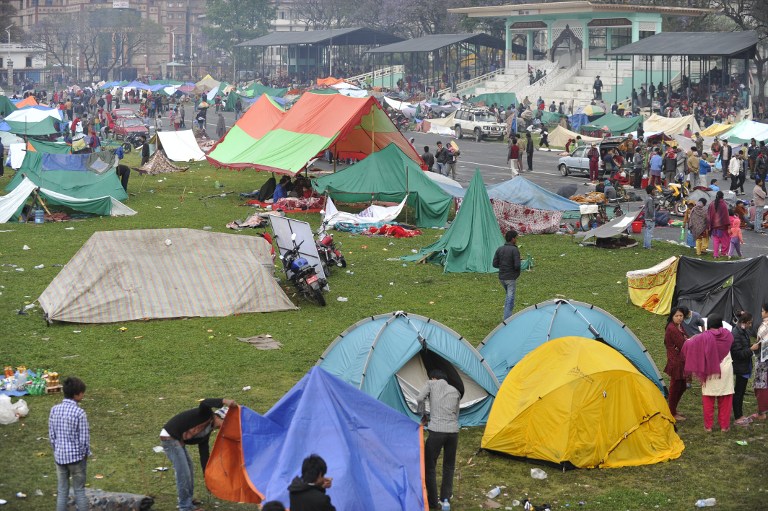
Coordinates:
[744,421]
[758,416]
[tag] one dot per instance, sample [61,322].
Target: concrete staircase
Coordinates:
[571,85]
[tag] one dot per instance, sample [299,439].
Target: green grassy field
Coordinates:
[138,378]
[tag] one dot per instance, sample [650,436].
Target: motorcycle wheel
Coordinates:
[680,208]
[342,262]
[317,295]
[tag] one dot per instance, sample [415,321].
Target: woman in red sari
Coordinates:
[674,338]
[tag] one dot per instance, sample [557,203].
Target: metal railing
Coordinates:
[379,73]
[472,82]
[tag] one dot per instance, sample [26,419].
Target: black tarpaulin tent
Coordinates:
[722,287]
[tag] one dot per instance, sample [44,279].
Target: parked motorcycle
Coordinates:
[133,141]
[303,275]
[328,249]
[673,198]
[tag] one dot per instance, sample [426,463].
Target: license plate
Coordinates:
[311,279]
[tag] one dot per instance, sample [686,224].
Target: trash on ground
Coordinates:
[262,342]
[160,469]
[342,299]
[158,449]
[491,504]
[493,493]
[537,473]
[25,247]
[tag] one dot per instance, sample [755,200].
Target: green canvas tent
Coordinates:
[389,175]
[500,98]
[45,146]
[82,176]
[470,242]
[46,126]
[615,124]
[256,89]
[6,106]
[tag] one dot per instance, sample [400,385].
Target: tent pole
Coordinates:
[406,194]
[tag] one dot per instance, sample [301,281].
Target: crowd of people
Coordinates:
[722,360]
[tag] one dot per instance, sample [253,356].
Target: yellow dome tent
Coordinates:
[579,403]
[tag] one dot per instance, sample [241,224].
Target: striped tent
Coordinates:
[164,273]
[350,127]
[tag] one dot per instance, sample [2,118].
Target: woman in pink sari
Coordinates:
[719,222]
[708,358]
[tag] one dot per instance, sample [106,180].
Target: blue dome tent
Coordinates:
[389,356]
[525,331]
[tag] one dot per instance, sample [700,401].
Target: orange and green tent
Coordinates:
[256,122]
[350,127]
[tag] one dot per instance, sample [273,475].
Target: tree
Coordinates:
[750,15]
[56,37]
[110,38]
[234,21]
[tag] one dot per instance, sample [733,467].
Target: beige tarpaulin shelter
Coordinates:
[207,83]
[559,136]
[164,273]
[670,125]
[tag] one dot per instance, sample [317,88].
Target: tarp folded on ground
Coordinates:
[653,288]
[373,215]
[579,403]
[374,454]
[180,145]
[164,273]
[670,125]
[560,136]
[350,127]
[389,176]
[472,239]
[83,176]
[615,227]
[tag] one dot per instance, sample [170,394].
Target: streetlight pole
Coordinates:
[9,64]
[173,53]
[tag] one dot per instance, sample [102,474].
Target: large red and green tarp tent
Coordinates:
[256,122]
[350,127]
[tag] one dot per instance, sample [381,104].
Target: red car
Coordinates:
[123,112]
[125,126]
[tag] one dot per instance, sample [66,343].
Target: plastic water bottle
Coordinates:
[39,216]
[446,506]
[493,493]
[710,502]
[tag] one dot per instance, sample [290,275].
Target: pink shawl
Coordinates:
[704,352]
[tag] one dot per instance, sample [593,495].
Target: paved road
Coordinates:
[490,157]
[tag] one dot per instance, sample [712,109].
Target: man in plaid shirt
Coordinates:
[70,439]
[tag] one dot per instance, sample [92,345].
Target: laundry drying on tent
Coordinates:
[389,175]
[164,273]
[528,329]
[652,288]
[580,403]
[526,207]
[373,453]
[390,355]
